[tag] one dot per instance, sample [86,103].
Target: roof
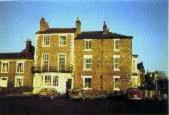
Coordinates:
[99,34]
[27,53]
[17,55]
[134,55]
[57,30]
[140,67]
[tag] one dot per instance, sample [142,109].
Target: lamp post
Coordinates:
[101,78]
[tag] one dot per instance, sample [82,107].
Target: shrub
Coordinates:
[16,90]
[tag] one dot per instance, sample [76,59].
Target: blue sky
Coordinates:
[145,20]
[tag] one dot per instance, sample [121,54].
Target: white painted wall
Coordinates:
[38,81]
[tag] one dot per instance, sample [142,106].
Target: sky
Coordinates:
[145,20]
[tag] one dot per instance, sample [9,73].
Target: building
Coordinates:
[67,58]
[54,58]
[135,73]
[141,73]
[103,60]
[15,68]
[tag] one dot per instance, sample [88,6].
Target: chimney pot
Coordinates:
[28,44]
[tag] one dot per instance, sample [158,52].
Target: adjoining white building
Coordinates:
[135,74]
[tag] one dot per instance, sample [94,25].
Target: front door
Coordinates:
[68,84]
[3,81]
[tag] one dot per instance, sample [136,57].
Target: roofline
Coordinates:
[54,33]
[43,32]
[13,59]
[106,38]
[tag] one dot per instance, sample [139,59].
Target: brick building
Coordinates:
[54,57]
[15,68]
[103,60]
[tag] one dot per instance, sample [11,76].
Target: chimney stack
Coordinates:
[28,44]
[78,26]
[43,24]
[105,29]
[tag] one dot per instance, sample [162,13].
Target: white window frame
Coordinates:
[19,77]
[6,62]
[45,83]
[84,61]
[18,62]
[1,80]
[135,83]
[57,81]
[44,40]
[60,40]
[42,61]
[59,62]
[86,88]
[87,43]
[115,88]
[114,44]
[114,57]
[134,65]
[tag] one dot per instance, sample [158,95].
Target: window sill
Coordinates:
[4,72]
[87,88]
[87,50]
[19,72]
[116,50]
[116,89]
[116,69]
[87,69]
[45,45]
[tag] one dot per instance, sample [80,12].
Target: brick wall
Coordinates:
[53,50]
[106,58]
[27,74]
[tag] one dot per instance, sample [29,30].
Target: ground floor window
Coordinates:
[55,81]
[3,81]
[87,81]
[47,80]
[50,80]
[116,82]
[18,81]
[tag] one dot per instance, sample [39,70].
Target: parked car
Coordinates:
[48,93]
[134,94]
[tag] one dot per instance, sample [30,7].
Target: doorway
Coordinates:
[68,84]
